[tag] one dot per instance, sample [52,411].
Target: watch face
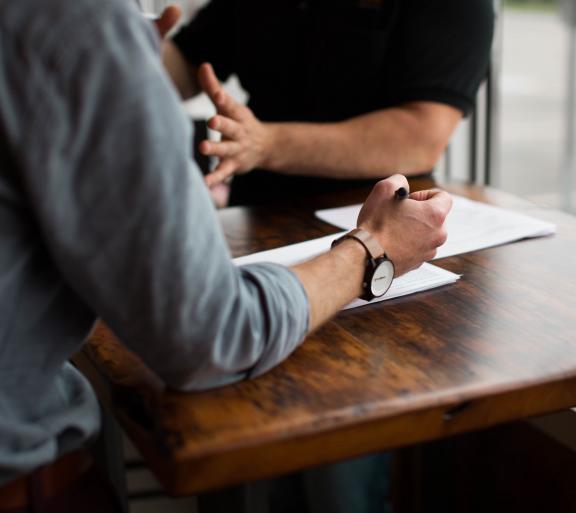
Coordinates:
[382,278]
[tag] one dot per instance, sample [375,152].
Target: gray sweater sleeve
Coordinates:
[128,220]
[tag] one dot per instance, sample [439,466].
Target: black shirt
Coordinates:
[329,60]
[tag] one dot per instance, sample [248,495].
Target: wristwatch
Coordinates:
[379,269]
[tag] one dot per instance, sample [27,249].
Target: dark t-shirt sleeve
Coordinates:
[444,50]
[209,37]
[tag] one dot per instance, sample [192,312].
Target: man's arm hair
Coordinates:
[408,139]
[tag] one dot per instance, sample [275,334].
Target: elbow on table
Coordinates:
[211,358]
[242,335]
[194,383]
[204,369]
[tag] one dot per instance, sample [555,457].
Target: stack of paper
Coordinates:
[426,277]
[471,225]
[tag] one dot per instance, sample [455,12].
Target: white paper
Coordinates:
[471,225]
[426,277]
[292,254]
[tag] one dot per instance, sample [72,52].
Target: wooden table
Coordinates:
[498,345]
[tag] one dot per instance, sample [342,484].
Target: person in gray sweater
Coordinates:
[103,214]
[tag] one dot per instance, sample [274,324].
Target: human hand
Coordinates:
[168,20]
[409,230]
[245,139]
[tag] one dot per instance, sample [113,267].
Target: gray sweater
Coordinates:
[103,214]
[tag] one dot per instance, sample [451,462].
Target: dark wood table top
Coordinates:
[498,345]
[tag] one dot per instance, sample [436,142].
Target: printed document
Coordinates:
[426,277]
[471,225]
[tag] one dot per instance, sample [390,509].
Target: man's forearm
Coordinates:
[182,73]
[407,139]
[332,280]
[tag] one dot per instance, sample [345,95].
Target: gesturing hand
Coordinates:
[245,140]
[409,230]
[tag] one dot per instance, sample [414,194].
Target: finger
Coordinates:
[209,81]
[438,199]
[222,149]
[224,103]
[168,19]
[226,126]
[229,107]
[442,201]
[390,185]
[225,169]
[438,204]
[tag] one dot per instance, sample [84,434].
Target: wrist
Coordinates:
[272,137]
[377,235]
[379,269]
[353,257]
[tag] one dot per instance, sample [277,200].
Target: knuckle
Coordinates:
[246,113]
[436,215]
[447,202]
[399,178]
[430,255]
[383,187]
[441,238]
[437,242]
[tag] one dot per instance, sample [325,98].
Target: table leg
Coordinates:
[109,455]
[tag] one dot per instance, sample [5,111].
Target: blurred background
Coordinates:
[534,111]
[534,100]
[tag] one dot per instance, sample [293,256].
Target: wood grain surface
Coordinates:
[498,345]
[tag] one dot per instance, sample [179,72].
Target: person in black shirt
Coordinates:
[339,89]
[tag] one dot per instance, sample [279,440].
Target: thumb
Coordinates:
[168,19]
